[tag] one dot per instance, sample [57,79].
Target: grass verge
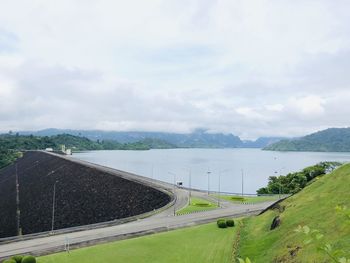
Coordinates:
[197,204]
[247,199]
[204,243]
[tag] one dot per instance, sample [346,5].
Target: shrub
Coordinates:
[9,261]
[17,258]
[230,222]
[237,198]
[202,204]
[28,259]
[221,223]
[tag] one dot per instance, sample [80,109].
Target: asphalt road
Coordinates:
[148,225]
[162,221]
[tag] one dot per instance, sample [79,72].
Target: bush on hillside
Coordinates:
[221,223]
[17,258]
[294,182]
[28,259]
[9,261]
[230,222]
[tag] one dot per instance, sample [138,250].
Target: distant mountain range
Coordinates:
[329,140]
[198,139]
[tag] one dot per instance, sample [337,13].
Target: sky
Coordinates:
[251,68]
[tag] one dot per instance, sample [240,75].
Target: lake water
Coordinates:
[255,165]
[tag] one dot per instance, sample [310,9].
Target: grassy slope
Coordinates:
[315,207]
[205,243]
[194,207]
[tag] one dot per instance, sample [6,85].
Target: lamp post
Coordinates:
[53,206]
[152,171]
[174,190]
[242,182]
[189,183]
[279,191]
[208,180]
[280,186]
[222,171]
[219,190]
[18,212]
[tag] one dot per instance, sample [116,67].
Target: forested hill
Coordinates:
[30,142]
[11,144]
[329,140]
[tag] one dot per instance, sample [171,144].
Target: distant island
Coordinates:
[329,140]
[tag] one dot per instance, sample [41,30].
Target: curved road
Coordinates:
[162,221]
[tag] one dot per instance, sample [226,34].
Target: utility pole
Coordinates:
[18,211]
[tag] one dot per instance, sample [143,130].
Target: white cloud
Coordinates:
[249,113]
[309,106]
[275,107]
[248,67]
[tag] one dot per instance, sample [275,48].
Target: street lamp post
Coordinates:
[190,184]
[279,191]
[223,171]
[208,181]
[219,189]
[174,190]
[242,182]
[152,171]
[53,207]
[18,212]
[278,173]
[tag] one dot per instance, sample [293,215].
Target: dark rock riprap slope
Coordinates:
[83,195]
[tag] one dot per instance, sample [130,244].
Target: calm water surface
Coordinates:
[256,165]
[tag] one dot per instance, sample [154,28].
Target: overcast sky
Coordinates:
[252,68]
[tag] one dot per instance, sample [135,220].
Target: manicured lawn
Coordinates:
[205,243]
[197,204]
[248,199]
[314,206]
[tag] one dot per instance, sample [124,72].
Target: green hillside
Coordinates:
[30,142]
[330,140]
[313,208]
[11,144]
